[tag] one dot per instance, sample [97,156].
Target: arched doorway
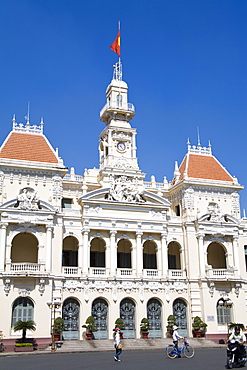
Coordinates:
[100,313]
[154,317]
[70,312]
[127,314]
[180,313]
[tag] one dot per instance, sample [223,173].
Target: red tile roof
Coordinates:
[203,167]
[28,147]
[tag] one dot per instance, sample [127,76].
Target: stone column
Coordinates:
[48,262]
[3,245]
[80,256]
[159,259]
[139,254]
[134,145]
[164,254]
[200,237]
[113,253]
[236,252]
[85,264]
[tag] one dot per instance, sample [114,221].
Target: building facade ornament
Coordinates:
[125,189]
[28,200]
[7,286]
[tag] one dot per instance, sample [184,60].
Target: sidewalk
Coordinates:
[75,346]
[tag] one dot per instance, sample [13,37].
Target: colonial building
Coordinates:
[110,244]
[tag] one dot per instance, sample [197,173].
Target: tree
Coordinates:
[24,326]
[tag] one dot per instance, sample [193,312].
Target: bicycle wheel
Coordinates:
[171,351]
[188,351]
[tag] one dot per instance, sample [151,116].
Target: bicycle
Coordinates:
[186,350]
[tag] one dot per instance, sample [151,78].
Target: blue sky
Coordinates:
[184,62]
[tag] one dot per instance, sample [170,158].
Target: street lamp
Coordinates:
[227,303]
[53,305]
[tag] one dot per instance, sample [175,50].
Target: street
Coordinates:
[213,359]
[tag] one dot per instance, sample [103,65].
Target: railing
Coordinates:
[25,267]
[97,271]
[220,273]
[68,270]
[157,185]
[113,105]
[125,272]
[175,274]
[150,273]
[72,177]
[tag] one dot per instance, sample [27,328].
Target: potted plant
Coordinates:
[24,326]
[120,324]
[90,327]
[144,326]
[58,328]
[171,320]
[199,327]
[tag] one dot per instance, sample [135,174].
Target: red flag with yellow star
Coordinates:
[115,46]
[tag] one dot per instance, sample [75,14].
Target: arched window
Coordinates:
[119,100]
[24,248]
[149,255]
[70,251]
[216,256]
[97,252]
[174,256]
[224,313]
[124,254]
[22,310]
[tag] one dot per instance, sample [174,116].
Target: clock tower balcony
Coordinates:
[112,109]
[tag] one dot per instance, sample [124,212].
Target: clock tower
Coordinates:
[117,148]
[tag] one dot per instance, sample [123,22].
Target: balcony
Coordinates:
[113,106]
[25,268]
[220,274]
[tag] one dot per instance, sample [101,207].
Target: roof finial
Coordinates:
[27,117]
[198,137]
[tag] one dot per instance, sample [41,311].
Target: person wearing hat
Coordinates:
[175,337]
[117,344]
[238,336]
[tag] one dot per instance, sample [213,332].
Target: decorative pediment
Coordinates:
[102,195]
[14,204]
[224,218]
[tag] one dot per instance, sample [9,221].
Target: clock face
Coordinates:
[121,146]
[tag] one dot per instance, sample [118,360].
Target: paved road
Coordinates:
[204,359]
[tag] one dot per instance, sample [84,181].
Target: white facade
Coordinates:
[110,244]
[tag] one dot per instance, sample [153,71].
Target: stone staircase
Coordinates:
[128,344]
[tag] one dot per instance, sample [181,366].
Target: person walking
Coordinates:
[117,344]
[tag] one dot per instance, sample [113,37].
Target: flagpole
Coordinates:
[119,59]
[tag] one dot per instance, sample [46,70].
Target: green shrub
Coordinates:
[24,345]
